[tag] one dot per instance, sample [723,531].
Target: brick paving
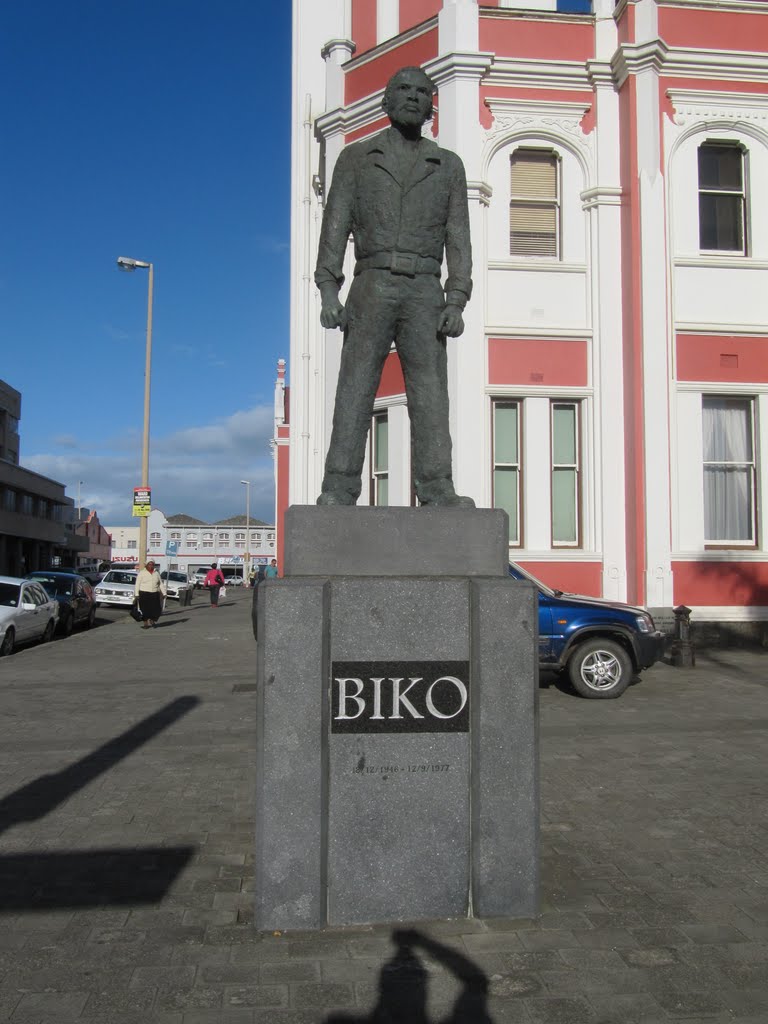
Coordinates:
[126,822]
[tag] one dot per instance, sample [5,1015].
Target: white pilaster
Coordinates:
[312,82]
[387,19]
[653,267]
[335,53]
[603,203]
[457,71]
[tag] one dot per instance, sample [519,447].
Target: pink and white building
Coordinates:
[611,387]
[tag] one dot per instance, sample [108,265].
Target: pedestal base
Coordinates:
[397,764]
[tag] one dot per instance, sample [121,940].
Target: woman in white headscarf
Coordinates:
[150,592]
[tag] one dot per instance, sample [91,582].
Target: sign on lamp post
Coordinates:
[142,501]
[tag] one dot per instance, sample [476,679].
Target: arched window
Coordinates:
[722,198]
[534,203]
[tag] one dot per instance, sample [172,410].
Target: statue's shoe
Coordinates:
[450,501]
[334,498]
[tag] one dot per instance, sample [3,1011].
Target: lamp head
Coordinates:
[127,264]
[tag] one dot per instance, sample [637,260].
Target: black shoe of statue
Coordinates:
[335,498]
[450,501]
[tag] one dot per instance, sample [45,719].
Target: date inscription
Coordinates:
[400,769]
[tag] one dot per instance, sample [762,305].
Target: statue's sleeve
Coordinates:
[337,222]
[458,244]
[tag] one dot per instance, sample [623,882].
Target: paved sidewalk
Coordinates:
[126,822]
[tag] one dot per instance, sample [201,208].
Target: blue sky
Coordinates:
[158,130]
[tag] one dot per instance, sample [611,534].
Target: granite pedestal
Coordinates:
[397,770]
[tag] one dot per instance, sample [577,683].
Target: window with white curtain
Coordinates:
[565,473]
[380,459]
[730,510]
[507,464]
[534,204]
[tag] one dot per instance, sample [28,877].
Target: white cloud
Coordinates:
[197,470]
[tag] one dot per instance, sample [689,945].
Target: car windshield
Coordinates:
[176,577]
[115,576]
[9,595]
[522,574]
[54,586]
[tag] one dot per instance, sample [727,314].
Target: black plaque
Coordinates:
[399,696]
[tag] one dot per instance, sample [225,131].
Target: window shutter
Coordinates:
[533,208]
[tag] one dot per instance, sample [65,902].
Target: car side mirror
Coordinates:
[28,606]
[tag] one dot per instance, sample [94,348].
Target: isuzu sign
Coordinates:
[399,696]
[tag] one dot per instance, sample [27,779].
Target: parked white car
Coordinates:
[233,580]
[27,613]
[198,577]
[175,582]
[117,588]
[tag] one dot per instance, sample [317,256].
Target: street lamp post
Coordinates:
[247,563]
[129,265]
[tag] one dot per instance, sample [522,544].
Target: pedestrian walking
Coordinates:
[214,581]
[270,573]
[150,592]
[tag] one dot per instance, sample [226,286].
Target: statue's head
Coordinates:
[408,97]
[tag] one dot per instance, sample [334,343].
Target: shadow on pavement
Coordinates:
[403,987]
[74,880]
[38,798]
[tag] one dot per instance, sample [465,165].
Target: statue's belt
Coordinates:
[399,263]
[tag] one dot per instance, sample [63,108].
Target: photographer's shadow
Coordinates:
[403,986]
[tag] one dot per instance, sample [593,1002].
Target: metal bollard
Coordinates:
[682,653]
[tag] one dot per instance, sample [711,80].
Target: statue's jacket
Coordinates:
[425,215]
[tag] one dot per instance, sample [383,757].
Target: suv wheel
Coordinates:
[600,669]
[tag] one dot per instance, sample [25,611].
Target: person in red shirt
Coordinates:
[214,581]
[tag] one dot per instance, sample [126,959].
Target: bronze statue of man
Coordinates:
[404,201]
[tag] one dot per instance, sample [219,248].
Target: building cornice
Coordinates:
[344,45]
[686,62]
[600,74]
[601,195]
[735,65]
[343,120]
[722,330]
[465,65]
[744,6]
[537,74]
[524,332]
[705,105]
[635,58]
[479,192]
[515,14]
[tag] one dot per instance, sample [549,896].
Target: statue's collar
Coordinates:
[382,143]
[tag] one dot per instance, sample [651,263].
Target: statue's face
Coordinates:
[408,98]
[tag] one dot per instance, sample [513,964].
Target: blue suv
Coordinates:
[601,644]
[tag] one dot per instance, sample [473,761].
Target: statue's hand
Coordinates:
[332,313]
[451,322]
